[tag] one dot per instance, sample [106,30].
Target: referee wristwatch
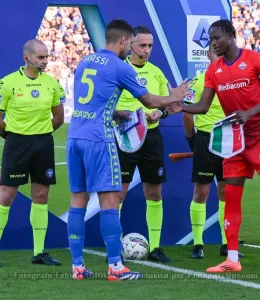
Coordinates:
[164,113]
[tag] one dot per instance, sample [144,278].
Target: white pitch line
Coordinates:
[191,274]
[61,163]
[251,246]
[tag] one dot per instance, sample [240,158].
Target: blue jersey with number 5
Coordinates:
[99,81]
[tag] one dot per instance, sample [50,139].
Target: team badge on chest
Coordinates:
[242,66]
[35,93]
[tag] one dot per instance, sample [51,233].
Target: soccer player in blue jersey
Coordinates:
[92,158]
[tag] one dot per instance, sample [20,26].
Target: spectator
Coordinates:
[64,33]
[246,20]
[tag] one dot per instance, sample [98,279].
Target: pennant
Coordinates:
[227,139]
[131,137]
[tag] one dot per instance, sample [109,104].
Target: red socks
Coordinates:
[233,214]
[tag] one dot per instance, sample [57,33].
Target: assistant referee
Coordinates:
[28,97]
[150,158]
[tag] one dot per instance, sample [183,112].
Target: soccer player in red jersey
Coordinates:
[235,80]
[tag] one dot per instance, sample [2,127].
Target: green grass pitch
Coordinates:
[21,280]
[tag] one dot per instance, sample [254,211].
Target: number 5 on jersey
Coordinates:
[86,80]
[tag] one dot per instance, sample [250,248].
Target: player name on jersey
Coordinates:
[97,59]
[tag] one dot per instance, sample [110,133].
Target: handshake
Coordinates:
[176,106]
[176,95]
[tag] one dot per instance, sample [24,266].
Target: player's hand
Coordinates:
[174,108]
[155,116]
[121,115]
[179,93]
[148,117]
[242,116]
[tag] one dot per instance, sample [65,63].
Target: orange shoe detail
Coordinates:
[226,266]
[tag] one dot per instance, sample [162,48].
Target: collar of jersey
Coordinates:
[21,71]
[129,62]
[107,51]
[232,62]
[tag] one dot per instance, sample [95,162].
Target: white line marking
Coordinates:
[226,8]
[61,163]
[251,246]
[164,42]
[190,273]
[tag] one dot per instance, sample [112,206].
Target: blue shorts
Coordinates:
[93,166]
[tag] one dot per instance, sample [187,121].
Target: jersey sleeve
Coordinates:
[59,94]
[4,95]
[209,80]
[128,80]
[163,85]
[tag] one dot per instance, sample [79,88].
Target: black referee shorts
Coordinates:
[206,165]
[149,159]
[28,155]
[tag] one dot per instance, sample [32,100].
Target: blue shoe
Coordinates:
[124,274]
[80,273]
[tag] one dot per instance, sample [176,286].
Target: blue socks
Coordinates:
[76,234]
[110,229]
[111,232]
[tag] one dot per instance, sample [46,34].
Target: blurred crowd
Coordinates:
[246,20]
[64,33]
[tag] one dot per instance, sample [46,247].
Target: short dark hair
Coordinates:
[116,29]
[226,26]
[141,30]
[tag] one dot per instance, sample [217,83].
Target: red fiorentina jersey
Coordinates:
[237,85]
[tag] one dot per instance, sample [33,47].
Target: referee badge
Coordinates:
[160,171]
[35,93]
[49,173]
[143,81]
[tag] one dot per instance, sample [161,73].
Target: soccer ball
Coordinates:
[134,246]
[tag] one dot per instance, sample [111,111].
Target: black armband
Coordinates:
[164,113]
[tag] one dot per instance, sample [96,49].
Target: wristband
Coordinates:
[164,113]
